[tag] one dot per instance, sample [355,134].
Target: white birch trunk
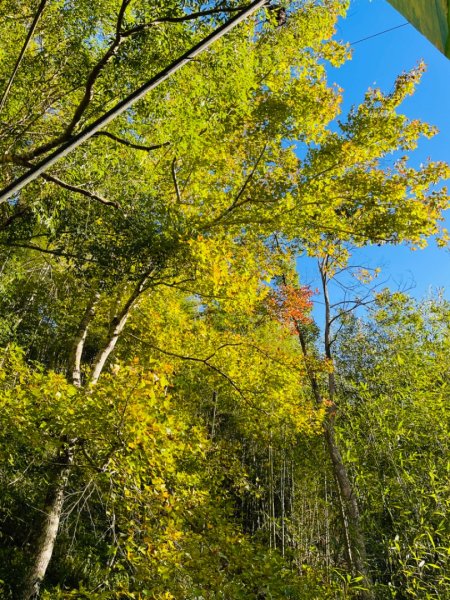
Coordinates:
[46,541]
[74,370]
[115,329]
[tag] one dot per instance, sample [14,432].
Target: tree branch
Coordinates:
[79,190]
[204,361]
[188,17]
[68,186]
[116,327]
[235,203]
[9,220]
[46,251]
[30,33]
[128,143]
[89,88]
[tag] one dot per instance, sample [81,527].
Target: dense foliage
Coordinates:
[395,420]
[170,425]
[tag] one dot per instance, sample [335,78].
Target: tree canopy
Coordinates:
[170,425]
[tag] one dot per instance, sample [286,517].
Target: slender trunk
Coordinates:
[74,369]
[327,333]
[213,425]
[351,522]
[282,494]
[354,533]
[115,329]
[30,33]
[346,499]
[327,531]
[50,524]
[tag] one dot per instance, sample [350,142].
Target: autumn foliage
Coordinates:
[163,393]
[291,305]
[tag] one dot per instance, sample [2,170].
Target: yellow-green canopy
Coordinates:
[430,17]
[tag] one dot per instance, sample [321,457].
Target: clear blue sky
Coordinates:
[377,62]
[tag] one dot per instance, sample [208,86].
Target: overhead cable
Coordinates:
[67,147]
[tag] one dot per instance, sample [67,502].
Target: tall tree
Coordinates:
[148,250]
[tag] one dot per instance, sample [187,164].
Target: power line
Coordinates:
[369,37]
[127,102]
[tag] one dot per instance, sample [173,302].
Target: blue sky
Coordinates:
[376,62]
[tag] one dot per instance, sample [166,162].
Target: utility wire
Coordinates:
[369,37]
[127,102]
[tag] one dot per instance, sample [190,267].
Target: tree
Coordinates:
[135,281]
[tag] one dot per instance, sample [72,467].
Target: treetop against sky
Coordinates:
[376,61]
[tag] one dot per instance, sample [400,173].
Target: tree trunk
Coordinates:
[357,548]
[74,369]
[351,522]
[50,524]
[115,329]
[55,498]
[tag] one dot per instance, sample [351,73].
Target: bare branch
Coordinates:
[128,143]
[69,186]
[91,461]
[79,190]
